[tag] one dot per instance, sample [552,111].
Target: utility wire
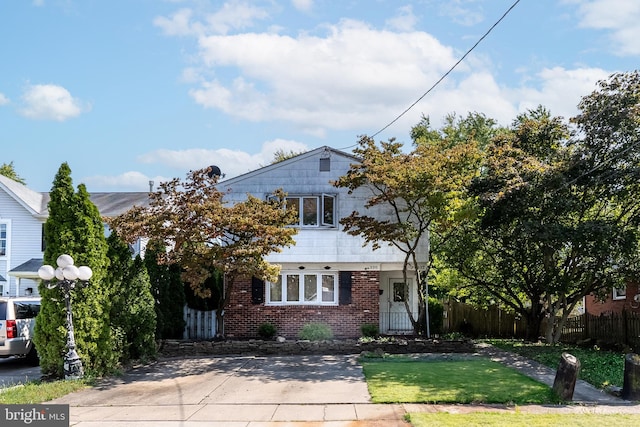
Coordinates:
[448,72]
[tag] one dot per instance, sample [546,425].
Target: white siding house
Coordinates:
[323,248]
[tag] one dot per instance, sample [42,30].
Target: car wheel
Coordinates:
[32,357]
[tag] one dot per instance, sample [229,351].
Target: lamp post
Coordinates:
[69,277]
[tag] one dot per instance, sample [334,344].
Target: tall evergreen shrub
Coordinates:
[167,289]
[133,317]
[74,227]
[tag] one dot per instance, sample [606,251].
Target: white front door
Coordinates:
[396,320]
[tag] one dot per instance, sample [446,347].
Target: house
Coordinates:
[23,213]
[328,276]
[618,300]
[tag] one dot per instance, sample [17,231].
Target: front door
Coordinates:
[397,320]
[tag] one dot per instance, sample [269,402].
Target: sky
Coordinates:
[132,91]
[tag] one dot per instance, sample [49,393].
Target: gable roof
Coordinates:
[108,204]
[321,151]
[29,199]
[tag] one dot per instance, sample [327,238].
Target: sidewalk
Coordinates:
[281,391]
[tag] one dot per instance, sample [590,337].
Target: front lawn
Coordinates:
[600,368]
[496,419]
[403,380]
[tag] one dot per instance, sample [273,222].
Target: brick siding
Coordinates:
[595,307]
[242,318]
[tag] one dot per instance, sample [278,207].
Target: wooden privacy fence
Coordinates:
[619,328]
[199,325]
[622,328]
[492,322]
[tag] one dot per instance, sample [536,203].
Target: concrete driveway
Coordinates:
[15,371]
[234,391]
[234,380]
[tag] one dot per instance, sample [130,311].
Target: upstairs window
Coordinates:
[313,211]
[3,239]
[308,288]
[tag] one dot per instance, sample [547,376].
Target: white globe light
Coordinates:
[46,272]
[84,273]
[64,260]
[70,272]
[58,273]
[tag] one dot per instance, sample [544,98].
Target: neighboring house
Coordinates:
[328,276]
[23,213]
[618,300]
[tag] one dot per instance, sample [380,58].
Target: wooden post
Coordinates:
[631,384]
[566,376]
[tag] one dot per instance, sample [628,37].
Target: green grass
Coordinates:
[601,368]
[38,392]
[458,381]
[521,420]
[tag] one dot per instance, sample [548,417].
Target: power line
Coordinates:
[448,72]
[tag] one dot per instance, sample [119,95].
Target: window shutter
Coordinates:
[257,291]
[345,288]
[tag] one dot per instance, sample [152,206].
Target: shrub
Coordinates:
[315,332]
[267,330]
[369,330]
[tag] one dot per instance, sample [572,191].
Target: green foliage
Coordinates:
[601,368]
[9,171]
[519,419]
[315,332]
[369,330]
[454,381]
[133,316]
[558,212]
[267,330]
[206,235]
[436,310]
[168,292]
[74,227]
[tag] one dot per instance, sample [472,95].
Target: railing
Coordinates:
[396,323]
[199,325]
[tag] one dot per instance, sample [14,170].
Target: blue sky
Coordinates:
[127,91]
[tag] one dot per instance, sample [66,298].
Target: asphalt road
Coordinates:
[15,371]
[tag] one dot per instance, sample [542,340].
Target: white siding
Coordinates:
[25,242]
[301,176]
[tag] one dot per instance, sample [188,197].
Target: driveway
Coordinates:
[15,371]
[234,380]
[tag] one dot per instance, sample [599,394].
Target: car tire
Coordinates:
[32,357]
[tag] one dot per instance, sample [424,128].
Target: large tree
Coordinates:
[559,214]
[74,227]
[204,234]
[424,191]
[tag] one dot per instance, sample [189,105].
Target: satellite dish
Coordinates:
[214,170]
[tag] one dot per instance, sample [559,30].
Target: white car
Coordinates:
[17,322]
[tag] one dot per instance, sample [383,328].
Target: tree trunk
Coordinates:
[631,384]
[566,376]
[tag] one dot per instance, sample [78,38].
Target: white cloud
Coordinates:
[3,99]
[303,5]
[337,81]
[560,90]
[231,162]
[404,20]
[620,17]
[463,12]
[50,102]
[233,15]
[128,181]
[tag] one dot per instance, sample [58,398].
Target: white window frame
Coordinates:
[7,238]
[620,293]
[301,275]
[321,202]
